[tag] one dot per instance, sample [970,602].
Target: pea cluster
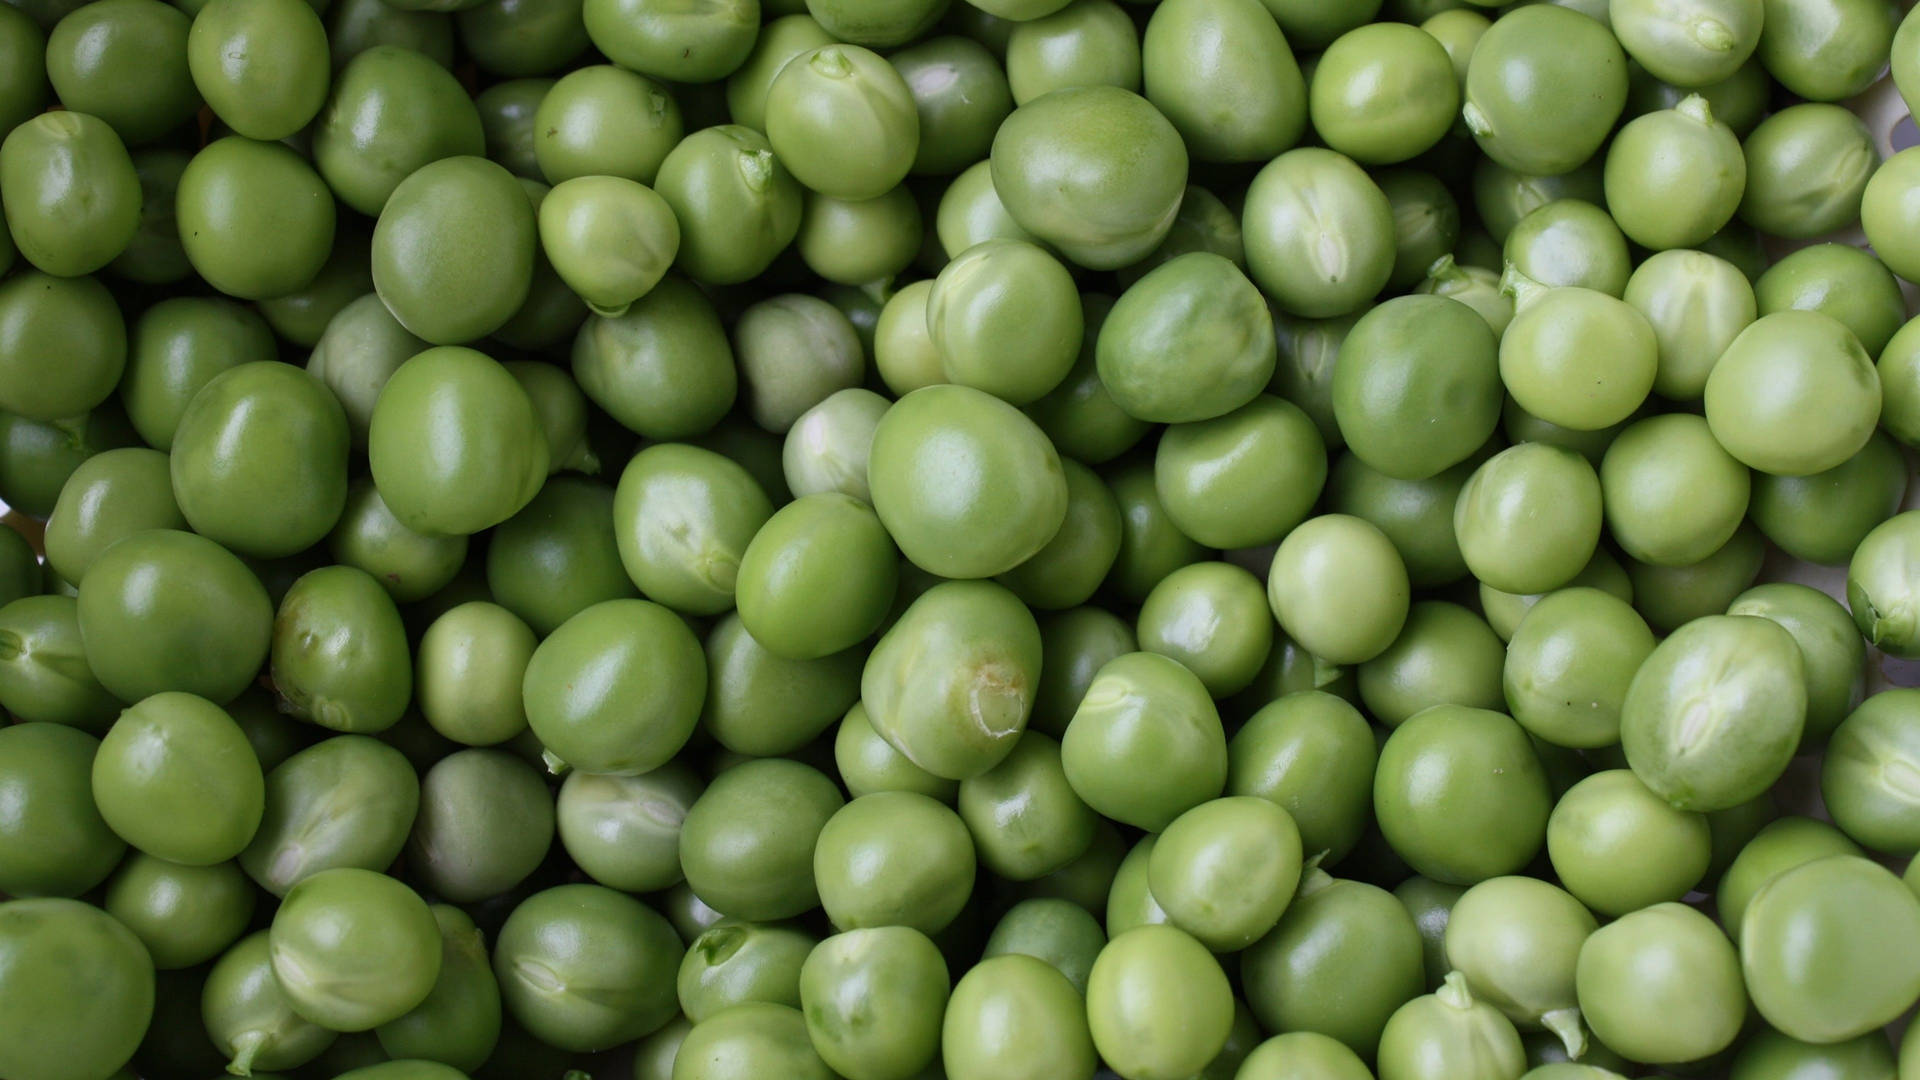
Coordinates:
[957,540]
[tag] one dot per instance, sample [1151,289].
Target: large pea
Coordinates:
[259,460]
[168,610]
[1008,503]
[392,111]
[75,319]
[1095,171]
[468,418]
[340,656]
[1189,341]
[1196,54]
[238,190]
[347,801]
[664,367]
[262,65]
[453,250]
[952,683]
[71,195]
[617,688]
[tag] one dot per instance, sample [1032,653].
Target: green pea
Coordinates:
[453,249]
[733,963]
[1826,50]
[354,26]
[1158,1003]
[44,676]
[259,460]
[72,198]
[346,801]
[1543,90]
[1570,241]
[1399,410]
[54,839]
[1460,794]
[78,990]
[1569,665]
[1014,1016]
[1145,744]
[167,610]
[1339,588]
[262,65]
[1827,948]
[1445,654]
[184,915]
[1449,1034]
[458,1023]
[583,967]
[624,831]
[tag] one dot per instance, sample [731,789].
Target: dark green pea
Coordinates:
[178,346]
[23,87]
[951,684]
[340,656]
[756,1039]
[301,316]
[1054,161]
[154,256]
[109,496]
[868,763]
[688,45]
[1196,51]
[353,949]
[894,858]
[1826,50]
[392,110]
[453,250]
[1822,518]
[733,963]
[54,840]
[459,1021]
[507,110]
[1460,794]
[1342,959]
[167,610]
[515,38]
[250,1019]
[1400,411]
[44,675]
[1444,655]
[1522,105]
[737,204]
[874,999]
[72,198]
[1670,596]
[259,459]
[558,556]
[747,844]
[664,368]
[125,62]
[176,778]
[184,915]
[72,318]
[624,831]
[960,94]
[1014,1014]
[764,704]
[346,801]
[490,456]
[1570,241]
[237,189]
[354,26]
[262,65]
[644,697]
[1715,713]
[77,990]
[409,565]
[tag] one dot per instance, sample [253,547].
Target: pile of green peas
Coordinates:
[956,540]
